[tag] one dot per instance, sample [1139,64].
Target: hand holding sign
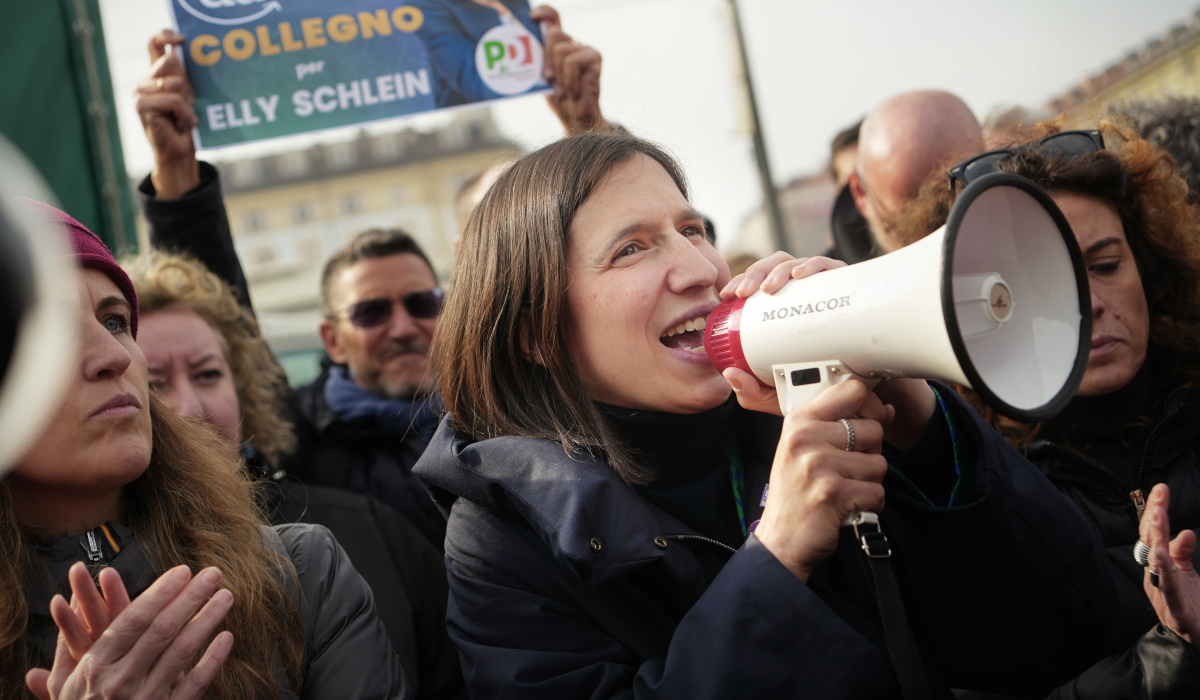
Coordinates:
[164,104]
[574,71]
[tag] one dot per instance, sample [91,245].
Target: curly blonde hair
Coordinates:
[172,281]
[1163,230]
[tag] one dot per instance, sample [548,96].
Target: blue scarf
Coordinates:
[350,402]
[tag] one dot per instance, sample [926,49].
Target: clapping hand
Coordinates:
[108,647]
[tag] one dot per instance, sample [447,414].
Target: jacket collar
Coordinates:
[592,521]
[57,555]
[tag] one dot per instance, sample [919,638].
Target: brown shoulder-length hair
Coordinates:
[502,344]
[190,506]
[1163,231]
[171,281]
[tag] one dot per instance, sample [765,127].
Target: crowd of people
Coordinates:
[567,500]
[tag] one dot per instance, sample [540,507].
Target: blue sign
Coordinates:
[268,68]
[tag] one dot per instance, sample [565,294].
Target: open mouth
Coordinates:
[688,336]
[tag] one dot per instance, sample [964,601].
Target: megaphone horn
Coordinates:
[996,300]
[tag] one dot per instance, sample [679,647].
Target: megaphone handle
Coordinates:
[797,383]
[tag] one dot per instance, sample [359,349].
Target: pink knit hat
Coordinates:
[91,252]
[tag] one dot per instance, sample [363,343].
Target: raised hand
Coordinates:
[574,71]
[165,102]
[1176,598]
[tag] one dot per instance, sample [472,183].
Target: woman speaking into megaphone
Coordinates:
[619,527]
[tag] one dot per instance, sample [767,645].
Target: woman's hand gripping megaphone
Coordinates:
[909,403]
[828,467]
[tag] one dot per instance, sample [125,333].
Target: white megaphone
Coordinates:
[996,300]
[39,310]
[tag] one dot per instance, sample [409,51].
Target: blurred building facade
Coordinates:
[1168,66]
[806,202]
[290,211]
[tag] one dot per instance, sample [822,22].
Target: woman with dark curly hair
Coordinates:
[1133,422]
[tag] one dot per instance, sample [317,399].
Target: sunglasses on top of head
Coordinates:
[1066,143]
[370,313]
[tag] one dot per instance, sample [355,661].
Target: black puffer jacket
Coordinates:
[405,573]
[1093,454]
[346,648]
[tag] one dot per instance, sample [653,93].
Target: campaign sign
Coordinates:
[268,68]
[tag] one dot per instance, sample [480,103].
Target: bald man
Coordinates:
[900,144]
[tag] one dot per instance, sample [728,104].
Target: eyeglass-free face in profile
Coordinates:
[370,313]
[1065,143]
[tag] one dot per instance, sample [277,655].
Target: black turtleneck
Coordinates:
[689,456]
[1111,428]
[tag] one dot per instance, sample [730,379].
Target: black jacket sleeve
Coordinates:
[1013,570]
[347,653]
[406,575]
[196,224]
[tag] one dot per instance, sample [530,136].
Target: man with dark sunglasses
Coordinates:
[366,419]
[901,142]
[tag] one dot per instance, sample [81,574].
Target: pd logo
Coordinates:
[509,58]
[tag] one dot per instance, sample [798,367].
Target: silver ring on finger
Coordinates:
[849,434]
[1141,553]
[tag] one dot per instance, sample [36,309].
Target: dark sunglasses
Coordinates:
[1066,143]
[370,313]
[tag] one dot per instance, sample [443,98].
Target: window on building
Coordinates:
[246,173]
[303,212]
[387,148]
[294,164]
[351,203]
[263,255]
[255,220]
[454,135]
[343,155]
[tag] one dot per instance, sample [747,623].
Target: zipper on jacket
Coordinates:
[95,554]
[1137,496]
[702,538]
[1139,501]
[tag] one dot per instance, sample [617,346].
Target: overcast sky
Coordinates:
[818,65]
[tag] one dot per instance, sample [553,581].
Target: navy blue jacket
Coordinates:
[565,583]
